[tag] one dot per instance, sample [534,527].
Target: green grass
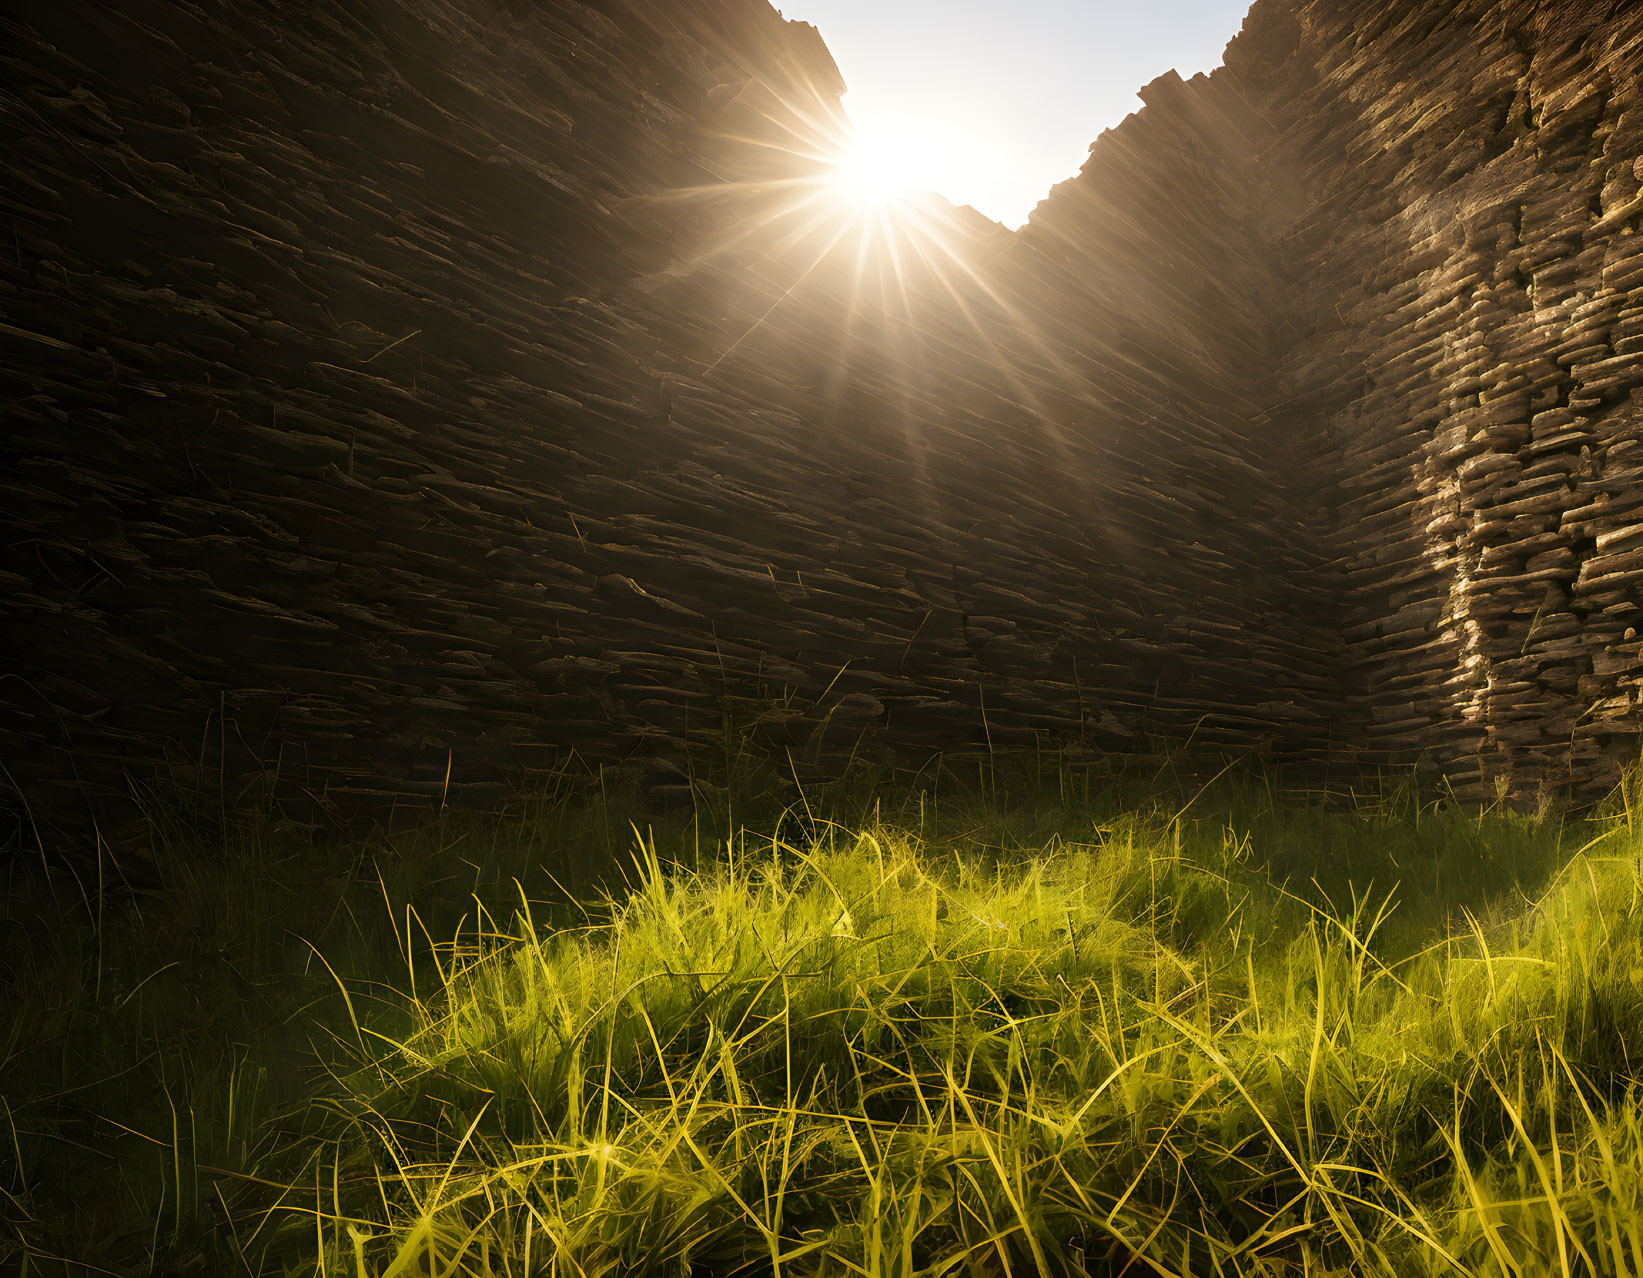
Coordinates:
[1121,1027]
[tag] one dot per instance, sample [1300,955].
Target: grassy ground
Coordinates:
[1127,1025]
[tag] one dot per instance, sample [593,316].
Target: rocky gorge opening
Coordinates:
[409,397]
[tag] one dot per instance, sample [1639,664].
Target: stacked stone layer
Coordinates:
[1468,286]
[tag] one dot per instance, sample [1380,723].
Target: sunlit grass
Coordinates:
[1148,1032]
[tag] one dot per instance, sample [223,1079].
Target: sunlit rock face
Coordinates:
[418,398]
[1466,288]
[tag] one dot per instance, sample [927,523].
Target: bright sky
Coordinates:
[992,102]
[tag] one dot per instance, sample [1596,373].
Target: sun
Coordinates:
[877,171]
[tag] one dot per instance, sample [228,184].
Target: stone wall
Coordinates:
[415,397]
[308,364]
[1467,287]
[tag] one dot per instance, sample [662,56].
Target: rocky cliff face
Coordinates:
[409,396]
[1467,300]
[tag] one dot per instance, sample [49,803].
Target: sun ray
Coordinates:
[860,191]
[822,257]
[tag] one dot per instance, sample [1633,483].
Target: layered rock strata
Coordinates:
[1467,294]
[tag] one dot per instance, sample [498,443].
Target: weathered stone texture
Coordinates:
[1467,283]
[404,394]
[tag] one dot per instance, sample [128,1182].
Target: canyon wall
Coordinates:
[413,397]
[1466,289]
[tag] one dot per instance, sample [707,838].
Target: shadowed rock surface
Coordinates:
[408,397]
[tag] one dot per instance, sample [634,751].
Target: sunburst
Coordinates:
[875,171]
[851,211]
